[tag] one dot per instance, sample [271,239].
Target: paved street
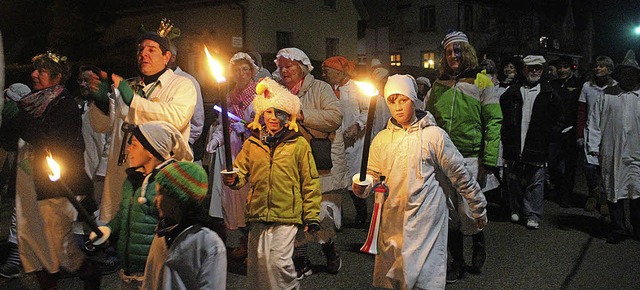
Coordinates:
[567,252]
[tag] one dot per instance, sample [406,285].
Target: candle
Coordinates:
[54,176]
[370,91]
[217,72]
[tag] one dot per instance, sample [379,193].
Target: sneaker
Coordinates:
[334,262]
[303,267]
[9,271]
[515,217]
[533,225]
[454,272]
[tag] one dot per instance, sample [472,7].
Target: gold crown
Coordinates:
[165,27]
[54,57]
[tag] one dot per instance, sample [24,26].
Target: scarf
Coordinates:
[241,98]
[36,103]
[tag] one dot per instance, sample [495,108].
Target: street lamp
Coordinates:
[637,30]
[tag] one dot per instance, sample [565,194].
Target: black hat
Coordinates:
[564,59]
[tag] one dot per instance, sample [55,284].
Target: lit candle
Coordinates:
[217,72]
[370,91]
[101,233]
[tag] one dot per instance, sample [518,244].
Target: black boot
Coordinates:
[360,205]
[334,262]
[90,275]
[455,270]
[479,253]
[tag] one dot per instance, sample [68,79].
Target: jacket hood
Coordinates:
[424,119]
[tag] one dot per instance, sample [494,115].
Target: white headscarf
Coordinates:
[292,53]
[401,84]
[164,139]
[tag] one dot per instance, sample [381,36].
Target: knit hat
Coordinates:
[533,60]
[340,63]
[424,81]
[564,59]
[163,140]
[292,53]
[401,84]
[454,36]
[630,60]
[184,181]
[606,62]
[243,56]
[375,63]
[17,91]
[163,35]
[270,94]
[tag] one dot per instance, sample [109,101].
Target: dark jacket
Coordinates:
[58,132]
[568,91]
[546,123]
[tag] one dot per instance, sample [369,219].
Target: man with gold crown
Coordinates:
[158,94]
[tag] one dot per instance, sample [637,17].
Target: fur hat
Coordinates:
[454,36]
[244,56]
[184,181]
[270,94]
[292,53]
[401,84]
[17,91]
[163,140]
[533,60]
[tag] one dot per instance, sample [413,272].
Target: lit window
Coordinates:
[429,59]
[395,60]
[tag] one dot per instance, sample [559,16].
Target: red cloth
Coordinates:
[340,63]
[582,119]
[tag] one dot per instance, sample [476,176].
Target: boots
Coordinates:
[90,275]
[455,270]
[334,262]
[479,253]
[592,200]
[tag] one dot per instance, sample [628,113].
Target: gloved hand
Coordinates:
[10,109]
[229,179]
[352,131]
[238,127]
[313,227]
[580,142]
[126,92]
[100,93]
[213,145]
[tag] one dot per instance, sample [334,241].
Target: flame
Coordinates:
[367,88]
[55,169]
[216,68]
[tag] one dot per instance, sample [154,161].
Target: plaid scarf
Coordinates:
[36,103]
[241,98]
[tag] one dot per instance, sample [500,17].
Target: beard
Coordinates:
[532,79]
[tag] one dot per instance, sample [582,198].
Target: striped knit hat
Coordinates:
[184,181]
[454,36]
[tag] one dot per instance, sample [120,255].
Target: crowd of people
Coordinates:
[125,151]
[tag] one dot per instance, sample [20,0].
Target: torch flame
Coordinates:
[216,68]
[55,168]
[368,89]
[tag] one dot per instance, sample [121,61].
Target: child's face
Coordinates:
[401,108]
[274,125]
[138,155]
[167,206]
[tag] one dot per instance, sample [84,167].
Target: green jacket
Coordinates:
[285,187]
[135,224]
[469,111]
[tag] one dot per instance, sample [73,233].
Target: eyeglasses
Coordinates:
[83,81]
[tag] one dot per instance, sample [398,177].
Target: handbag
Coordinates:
[321,151]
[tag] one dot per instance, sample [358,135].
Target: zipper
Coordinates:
[128,226]
[453,103]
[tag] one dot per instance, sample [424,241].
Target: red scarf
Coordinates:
[240,99]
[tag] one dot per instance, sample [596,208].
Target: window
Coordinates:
[395,60]
[331,4]
[362,59]
[428,18]
[332,46]
[468,18]
[283,39]
[429,59]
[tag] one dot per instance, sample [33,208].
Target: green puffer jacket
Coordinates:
[285,187]
[469,111]
[135,224]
